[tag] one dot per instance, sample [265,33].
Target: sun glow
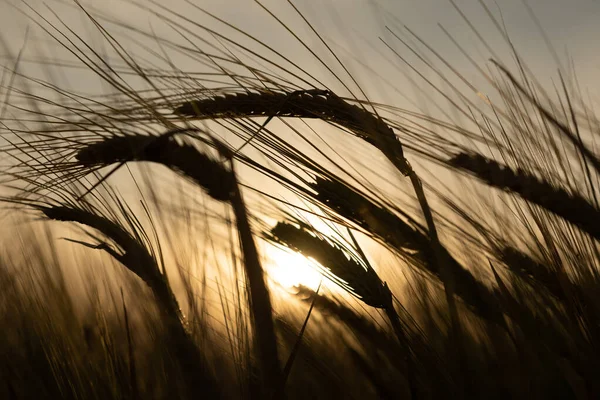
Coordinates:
[291,269]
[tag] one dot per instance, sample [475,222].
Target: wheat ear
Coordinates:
[571,207]
[354,276]
[407,239]
[134,256]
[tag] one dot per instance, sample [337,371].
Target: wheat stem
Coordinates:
[260,301]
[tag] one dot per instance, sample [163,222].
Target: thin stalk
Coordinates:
[290,362]
[260,301]
[439,258]
[394,319]
[409,360]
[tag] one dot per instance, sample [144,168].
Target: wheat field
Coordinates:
[266,200]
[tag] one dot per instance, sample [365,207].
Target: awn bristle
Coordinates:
[182,158]
[358,279]
[571,207]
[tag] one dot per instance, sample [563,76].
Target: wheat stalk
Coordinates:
[260,301]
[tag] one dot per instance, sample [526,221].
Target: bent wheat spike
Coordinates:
[319,104]
[359,324]
[357,279]
[134,255]
[571,207]
[533,271]
[182,158]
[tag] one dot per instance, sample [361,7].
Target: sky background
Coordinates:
[354,28]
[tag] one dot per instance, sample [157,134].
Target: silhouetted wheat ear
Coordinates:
[185,159]
[531,270]
[356,278]
[410,241]
[314,103]
[379,221]
[359,324]
[133,256]
[571,207]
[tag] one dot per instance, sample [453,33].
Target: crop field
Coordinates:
[357,199]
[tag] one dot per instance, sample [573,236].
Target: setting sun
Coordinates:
[291,269]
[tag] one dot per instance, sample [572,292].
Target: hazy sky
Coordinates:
[356,26]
